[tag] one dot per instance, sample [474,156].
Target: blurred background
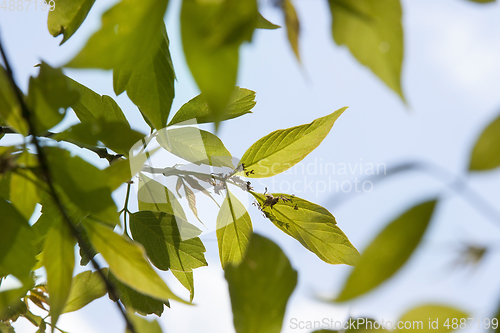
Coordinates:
[451,80]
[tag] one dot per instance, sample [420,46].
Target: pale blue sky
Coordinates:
[451,78]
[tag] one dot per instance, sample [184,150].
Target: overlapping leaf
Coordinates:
[170,243]
[282,149]
[212,32]
[156,197]
[10,110]
[85,288]
[312,225]
[373,32]
[389,251]
[260,287]
[241,102]
[234,229]
[127,262]
[23,189]
[67,17]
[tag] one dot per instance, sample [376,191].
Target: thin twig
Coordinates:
[44,166]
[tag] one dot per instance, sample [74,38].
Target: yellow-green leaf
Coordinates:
[234,229]
[260,287]
[312,225]
[292,26]
[85,288]
[10,110]
[282,149]
[435,316]
[486,152]
[263,23]
[373,32]
[23,189]
[156,197]
[127,262]
[389,251]
[67,16]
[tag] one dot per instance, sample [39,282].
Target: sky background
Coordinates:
[451,79]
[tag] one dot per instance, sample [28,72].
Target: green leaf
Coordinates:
[260,287]
[23,189]
[164,238]
[389,251]
[373,32]
[91,107]
[263,23]
[292,26]
[282,149]
[153,196]
[83,183]
[486,152]
[312,225]
[10,110]
[483,1]
[234,229]
[67,17]
[17,254]
[116,135]
[134,300]
[212,32]
[241,102]
[59,262]
[117,173]
[429,313]
[128,32]
[49,96]
[150,84]
[9,299]
[127,262]
[4,328]
[196,146]
[85,288]
[142,325]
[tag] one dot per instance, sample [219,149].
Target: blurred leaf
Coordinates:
[138,302]
[59,262]
[127,262]
[14,311]
[260,287]
[373,32]
[292,26]
[191,199]
[67,17]
[142,325]
[116,135]
[241,102]
[10,298]
[168,244]
[10,110]
[156,197]
[364,325]
[389,251]
[34,319]
[128,32]
[17,254]
[282,149]
[49,96]
[85,257]
[91,107]
[486,152]
[83,183]
[483,1]
[196,146]
[429,313]
[312,225]
[212,32]
[117,173]
[263,23]
[4,328]
[234,229]
[23,189]
[85,288]
[150,84]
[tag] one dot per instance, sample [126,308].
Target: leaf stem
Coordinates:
[126,211]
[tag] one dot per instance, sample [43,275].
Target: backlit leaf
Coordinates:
[389,251]
[154,196]
[281,149]
[23,189]
[312,225]
[423,316]
[10,110]
[234,229]
[170,243]
[263,23]
[292,26]
[85,288]
[241,102]
[373,32]
[127,262]
[486,152]
[67,17]
[142,325]
[260,287]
